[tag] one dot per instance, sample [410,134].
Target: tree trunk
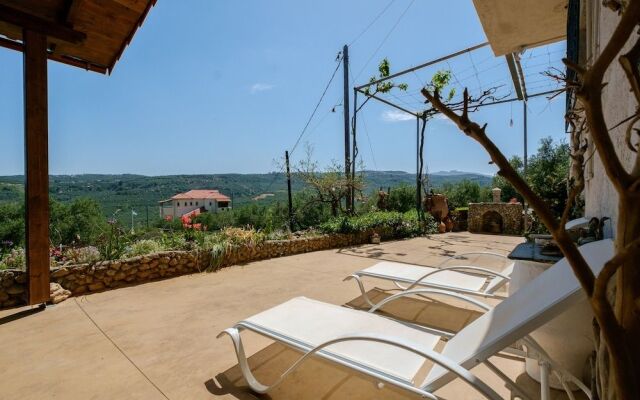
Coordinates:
[620,379]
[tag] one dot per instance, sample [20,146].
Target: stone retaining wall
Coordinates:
[105,275]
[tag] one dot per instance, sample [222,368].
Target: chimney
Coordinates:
[496,194]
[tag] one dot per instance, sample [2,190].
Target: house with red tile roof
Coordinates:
[194,202]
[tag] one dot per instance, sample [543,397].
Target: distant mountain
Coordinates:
[376,179]
[454,172]
[138,191]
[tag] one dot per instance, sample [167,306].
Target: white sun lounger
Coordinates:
[466,279]
[395,353]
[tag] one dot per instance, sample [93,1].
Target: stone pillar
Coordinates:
[496,194]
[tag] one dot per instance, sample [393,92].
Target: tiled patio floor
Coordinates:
[158,340]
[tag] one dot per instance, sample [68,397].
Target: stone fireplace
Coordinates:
[492,222]
[496,217]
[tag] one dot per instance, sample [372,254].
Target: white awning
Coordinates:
[512,26]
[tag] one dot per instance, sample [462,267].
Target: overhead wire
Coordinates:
[384,40]
[366,131]
[377,17]
[315,109]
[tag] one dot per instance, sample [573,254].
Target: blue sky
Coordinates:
[216,87]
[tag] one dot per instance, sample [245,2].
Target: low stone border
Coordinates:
[105,275]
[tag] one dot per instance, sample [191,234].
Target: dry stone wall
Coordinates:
[105,275]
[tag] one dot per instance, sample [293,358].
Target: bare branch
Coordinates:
[610,268]
[629,63]
[629,131]
[569,249]
[574,192]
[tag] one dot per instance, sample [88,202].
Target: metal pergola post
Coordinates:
[418,182]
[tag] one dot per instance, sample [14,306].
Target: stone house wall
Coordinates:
[512,221]
[106,275]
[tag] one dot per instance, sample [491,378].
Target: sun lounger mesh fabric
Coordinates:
[550,294]
[313,323]
[409,273]
[497,282]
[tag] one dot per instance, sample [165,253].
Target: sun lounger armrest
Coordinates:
[458,296]
[435,357]
[466,268]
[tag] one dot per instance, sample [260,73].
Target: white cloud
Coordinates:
[396,116]
[260,87]
[443,118]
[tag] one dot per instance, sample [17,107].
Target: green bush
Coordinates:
[173,241]
[241,236]
[402,198]
[143,247]
[87,254]
[11,224]
[390,222]
[15,259]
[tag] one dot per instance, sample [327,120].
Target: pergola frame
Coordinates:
[517,76]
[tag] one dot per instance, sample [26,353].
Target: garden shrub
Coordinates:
[89,254]
[391,222]
[143,247]
[14,259]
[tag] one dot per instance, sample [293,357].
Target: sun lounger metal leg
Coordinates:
[361,286]
[510,384]
[462,373]
[399,286]
[545,389]
[562,374]
[256,386]
[567,390]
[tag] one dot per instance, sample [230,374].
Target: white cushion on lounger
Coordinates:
[313,323]
[547,296]
[409,273]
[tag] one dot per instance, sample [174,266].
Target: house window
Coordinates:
[178,204]
[196,203]
[210,203]
[191,203]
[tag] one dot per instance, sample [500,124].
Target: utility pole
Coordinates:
[345,102]
[353,149]
[147,216]
[286,157]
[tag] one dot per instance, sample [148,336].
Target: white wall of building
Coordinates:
[177,208]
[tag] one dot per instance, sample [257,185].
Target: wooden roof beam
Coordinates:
[36,24]
[72,11]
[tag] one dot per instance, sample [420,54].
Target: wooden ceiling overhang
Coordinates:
[89,34]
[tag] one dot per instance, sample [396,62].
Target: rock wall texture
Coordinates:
[105,275]
[511,217]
